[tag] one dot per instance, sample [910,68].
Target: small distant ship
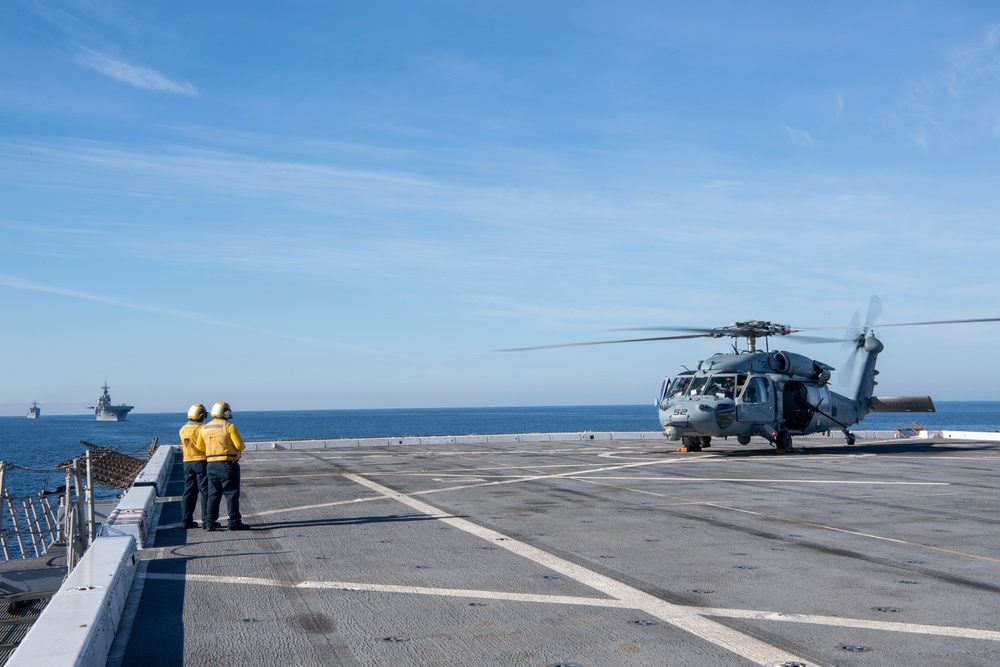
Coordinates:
[106,412]
[34,412]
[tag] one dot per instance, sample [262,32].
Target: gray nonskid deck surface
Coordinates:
[593,554]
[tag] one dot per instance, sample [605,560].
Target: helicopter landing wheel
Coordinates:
[692,443]
[783,442]
[706,441]
[850,438]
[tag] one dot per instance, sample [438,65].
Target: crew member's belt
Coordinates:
[223,458]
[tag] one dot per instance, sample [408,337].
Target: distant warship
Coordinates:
[106,412]
[34,412]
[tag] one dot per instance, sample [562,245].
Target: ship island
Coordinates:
[106,412]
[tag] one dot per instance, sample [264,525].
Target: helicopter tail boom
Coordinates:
[901,404]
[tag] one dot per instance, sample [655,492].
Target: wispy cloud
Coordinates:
[133,75]
[799,137]
[17,283]
[961,97]
[977,60]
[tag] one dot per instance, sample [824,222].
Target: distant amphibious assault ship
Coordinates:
[34,412]
[105,412]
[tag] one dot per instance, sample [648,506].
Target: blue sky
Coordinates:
[312,205]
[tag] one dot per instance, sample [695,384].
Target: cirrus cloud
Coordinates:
[133,75]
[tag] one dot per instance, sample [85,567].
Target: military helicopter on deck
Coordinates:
[775,395]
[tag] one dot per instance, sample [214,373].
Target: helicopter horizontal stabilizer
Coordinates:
[902,404]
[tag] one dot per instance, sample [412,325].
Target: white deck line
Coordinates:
[568,436]
[684,618]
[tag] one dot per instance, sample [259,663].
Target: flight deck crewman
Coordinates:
[195,482]
[222,443]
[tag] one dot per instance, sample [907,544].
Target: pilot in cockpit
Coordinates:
[722,387]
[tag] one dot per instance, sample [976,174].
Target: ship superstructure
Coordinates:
[34,412]
[105,412]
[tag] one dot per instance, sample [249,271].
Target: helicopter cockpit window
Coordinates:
[696,386]
[678,386]
[721,386]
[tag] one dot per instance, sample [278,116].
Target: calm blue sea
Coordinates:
[43,442]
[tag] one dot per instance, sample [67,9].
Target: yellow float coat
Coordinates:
[220,440]
[189,440]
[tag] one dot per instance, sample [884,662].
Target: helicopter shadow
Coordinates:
[343,521]
[903,446]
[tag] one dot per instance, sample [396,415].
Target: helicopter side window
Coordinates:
[765,390]
[756,391]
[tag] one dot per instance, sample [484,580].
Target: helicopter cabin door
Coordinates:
[756,402]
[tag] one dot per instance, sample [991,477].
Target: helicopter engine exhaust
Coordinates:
[796,364]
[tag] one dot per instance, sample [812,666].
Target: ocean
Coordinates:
[42,443]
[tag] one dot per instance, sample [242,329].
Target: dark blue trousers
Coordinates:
[224,480]
[195,484]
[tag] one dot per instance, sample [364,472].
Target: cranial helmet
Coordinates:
[196,412]
[221,410]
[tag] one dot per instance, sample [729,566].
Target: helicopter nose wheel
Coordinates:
[783,442]
[693,443]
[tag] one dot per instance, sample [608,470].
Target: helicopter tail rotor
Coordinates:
[854,336]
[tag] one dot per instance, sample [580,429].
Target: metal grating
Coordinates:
[112,468]
[15,623]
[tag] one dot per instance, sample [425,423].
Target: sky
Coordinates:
[325,205]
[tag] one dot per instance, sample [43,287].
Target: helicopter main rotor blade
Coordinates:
[599,342]
[736,332]
[702,330]
[855,325]
[756,329]
[918,324]
[817,339]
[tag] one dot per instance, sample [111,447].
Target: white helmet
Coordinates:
[196,412]
[221,410]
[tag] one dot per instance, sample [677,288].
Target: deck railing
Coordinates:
[33,525]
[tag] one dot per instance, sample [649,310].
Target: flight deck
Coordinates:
[589,553]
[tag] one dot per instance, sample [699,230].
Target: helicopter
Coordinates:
[772,394]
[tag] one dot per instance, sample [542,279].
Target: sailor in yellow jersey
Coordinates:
[195,481]
[222,443]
